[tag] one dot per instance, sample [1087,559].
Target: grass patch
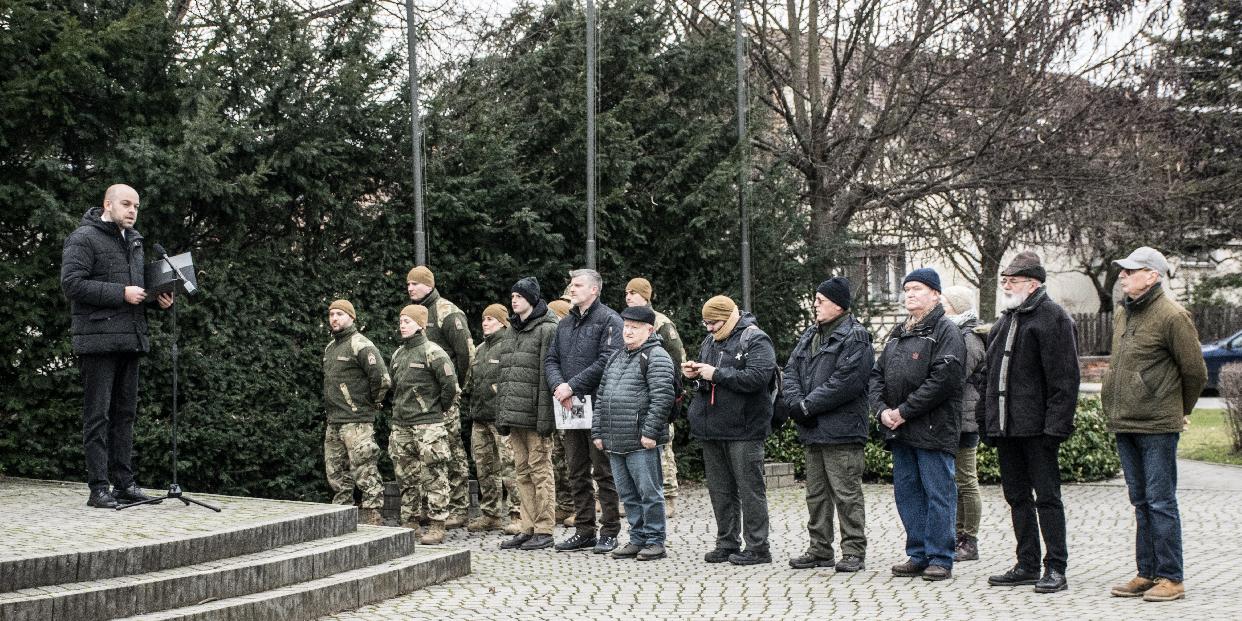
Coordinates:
[1207,439]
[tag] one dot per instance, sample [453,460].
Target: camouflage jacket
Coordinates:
[485,377]
[671,340]
[424,382]
[355,379]
[446,327]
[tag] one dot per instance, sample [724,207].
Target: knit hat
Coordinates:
[417,312]
[925,275]
[497,312]
[421,275]
[837,290]
[560,307]
[719,308]
[345,307]
[1026,264]
[641,286]
[639,313]
[960,298]
[528,288]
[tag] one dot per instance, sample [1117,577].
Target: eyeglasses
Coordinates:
[709,324]
[1006,281]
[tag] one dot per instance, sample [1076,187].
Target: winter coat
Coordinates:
[96,265]
[424,383]
[670,340]
[446,327]
[976,373]
[737,403]
[354,378]
[484,377]
[1156,371]
[524,400]
[583,344]
[1039,383]
[920,373]
[630,404]
[831,384]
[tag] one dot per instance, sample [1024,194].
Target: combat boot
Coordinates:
[483,523]
[515,524]
[456,520]
[434,534]
[371,517]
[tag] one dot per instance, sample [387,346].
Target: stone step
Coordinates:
[344,591]
[111,598]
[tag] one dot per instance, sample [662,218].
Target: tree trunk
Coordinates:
[989,271]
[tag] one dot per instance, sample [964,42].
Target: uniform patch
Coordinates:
[448,368]
[343,358]
[371,359]
[494,361]
[417,365]
[457,322]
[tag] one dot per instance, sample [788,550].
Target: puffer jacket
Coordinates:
[355,379]
[424,382]
[831,384]
[583,344]
[524,400]
[737,403]
[485,377]
[630,405]
[976,373]
[920,373]
[96,266]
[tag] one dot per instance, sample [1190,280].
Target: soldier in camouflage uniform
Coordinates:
[446,327]
[354,384]
[564,501]
[638,292]
[425,394]
[493,457]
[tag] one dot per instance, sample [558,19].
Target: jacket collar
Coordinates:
[495,336]
[521,325]
[1032,301]
[346,333]
[416,339]
[1143,301]
[579,315]
[431,298]
[94,218]
[651,341]
[923,327]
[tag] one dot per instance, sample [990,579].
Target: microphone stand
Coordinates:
[174,490]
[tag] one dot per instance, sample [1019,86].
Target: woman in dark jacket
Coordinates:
[916,391]
[959,307]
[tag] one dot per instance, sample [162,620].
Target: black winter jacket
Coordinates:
[831,384]
[523,400]
[1040,381]
[631,405]
[976,371]
[583,344]
[737,403]
[96,266]
[920,373]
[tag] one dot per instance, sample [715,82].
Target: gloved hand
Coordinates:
[800,416]
[545,428]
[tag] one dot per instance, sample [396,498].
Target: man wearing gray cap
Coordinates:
[1153,381]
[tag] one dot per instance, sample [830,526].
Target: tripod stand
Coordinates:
[174,490]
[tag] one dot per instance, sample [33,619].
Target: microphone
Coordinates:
[188,286]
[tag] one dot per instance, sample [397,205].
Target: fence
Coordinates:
[1095,330]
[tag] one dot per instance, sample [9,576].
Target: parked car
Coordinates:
[1220,353]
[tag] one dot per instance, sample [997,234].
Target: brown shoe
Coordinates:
[434,535]
[1136,587]
[455,521]
[908,569]
[936,573]
[483,523]
[1165,591]
[668,506]
[371,517]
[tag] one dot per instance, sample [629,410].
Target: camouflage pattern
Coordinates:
[424,382]
[564,497]
[459,470]
[421,459]
[350,455]
[446,327]
[677,351]
[355,379]
[493,461]
[668,465]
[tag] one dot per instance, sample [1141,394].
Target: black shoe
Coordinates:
[1052,582]
[537,542]
[652,552]
[1014,577]
[809,561]
[850,562]
[516,541]
[719,555]
[101,499]
[605,544]
[750,557]
[576,542]
[628,550]
[131,494]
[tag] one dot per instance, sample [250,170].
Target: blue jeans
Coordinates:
[640,485]
[1149,462]
[926,497]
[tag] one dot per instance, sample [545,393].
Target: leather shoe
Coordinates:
[101,499]
[750,557]
[537,542]
[719,555]
[1052,582]
[516,542]
[1014,577]
[131,494]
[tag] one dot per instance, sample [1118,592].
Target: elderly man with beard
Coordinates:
[1027,412]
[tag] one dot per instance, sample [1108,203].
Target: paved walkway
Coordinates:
[580,585]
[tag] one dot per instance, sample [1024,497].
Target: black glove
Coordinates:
[1052,442]
[800,416]
[502,430]
[545,428]
[986,440]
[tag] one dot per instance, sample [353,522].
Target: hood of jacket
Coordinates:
[540,311]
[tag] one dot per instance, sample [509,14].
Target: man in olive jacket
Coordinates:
[825,389]
[1153,380]
[524,412]
[355,381]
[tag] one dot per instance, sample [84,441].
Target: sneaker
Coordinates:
[809,561]
[850,563]
[652,552]
[101,499]
[516,542]
[719,555]
[629,550]
[1015,577]
[1136,587]
[605,544]
[1052,582]
[908,569]
[577,542]
[967,548]
[750,557]
[936,573]
[538,542]
[1165,590]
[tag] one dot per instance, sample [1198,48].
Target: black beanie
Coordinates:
[836,289]
[528,288]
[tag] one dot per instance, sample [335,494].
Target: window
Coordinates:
[876,274]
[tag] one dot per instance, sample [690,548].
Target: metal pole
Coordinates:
[739,51]
[590,137]
[416,137]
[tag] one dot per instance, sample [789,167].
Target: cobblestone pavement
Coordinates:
[581,585]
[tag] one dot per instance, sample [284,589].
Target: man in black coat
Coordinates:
[825,389]
[102,274]
[1026,412]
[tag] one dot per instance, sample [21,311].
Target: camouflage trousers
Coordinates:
[668,464]
[493,462]
[459,470]
[564,499]
[350,455]
[421,458]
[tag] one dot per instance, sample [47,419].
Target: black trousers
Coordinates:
[1030,465]
[584,462]
[110,382]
